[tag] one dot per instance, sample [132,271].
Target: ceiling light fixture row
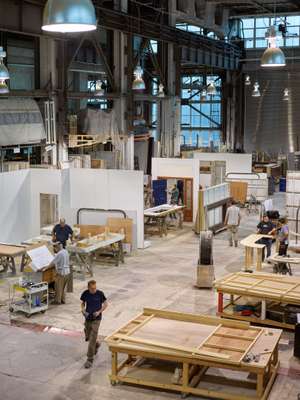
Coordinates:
[273,56]
[4,74]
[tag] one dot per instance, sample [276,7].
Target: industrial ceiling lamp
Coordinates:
[67,16]
[138,84]
[203,95]
[247,80]
[4,74]
[161,90]
[256,91]
[100,88]
[211,89]
[3,87]
[273,56]
[286,94]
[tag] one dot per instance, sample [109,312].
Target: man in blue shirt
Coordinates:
[62,232]
[93,303]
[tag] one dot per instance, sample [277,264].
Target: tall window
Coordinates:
[200,117]
[253,31]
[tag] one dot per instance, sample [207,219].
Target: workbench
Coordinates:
[158,216]
[8,254]
[264,292]
[276,260]
[182,352]
[251,243]
[85,251]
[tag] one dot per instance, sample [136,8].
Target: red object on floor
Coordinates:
[220,302]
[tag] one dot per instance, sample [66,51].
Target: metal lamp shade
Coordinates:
[138,84]
[69,16]
[3,87]
[273,57]
[211,89]
[4,74]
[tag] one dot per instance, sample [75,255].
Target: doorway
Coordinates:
[48,209]
[185,186]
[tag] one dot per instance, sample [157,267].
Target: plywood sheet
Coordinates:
[116,224]
[238,191]
[90,230]
[179,333]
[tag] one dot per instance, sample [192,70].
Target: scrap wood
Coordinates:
[172,347]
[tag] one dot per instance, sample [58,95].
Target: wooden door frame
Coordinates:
[183,179]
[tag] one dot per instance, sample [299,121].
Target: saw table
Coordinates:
[182,352]
[85,251]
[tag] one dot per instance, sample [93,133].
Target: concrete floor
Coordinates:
[42,358]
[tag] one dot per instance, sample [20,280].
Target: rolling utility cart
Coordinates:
[34,298]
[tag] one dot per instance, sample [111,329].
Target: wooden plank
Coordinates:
[208,320]
[168,346]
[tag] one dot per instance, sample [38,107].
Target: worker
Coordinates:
[232,222]
[180,187]
[174,195]
[62,266]
[283,236]
[62,232]
[266,227]
[93,303]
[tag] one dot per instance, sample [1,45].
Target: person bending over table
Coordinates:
[62,232]
[266,227]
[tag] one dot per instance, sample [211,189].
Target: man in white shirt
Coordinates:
[232,221]
[62,265]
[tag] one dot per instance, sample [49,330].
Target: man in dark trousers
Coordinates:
[62,232]
[266,227]
[93,303]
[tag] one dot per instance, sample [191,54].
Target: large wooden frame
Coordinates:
[263,287]
[213,350]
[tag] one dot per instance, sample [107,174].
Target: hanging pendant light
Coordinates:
[256,91]
[69,16]
[273,56]
[203,95]
[4,74]
[211,89]
[161,91]
[286,94]
[138,83]
[3,87]
[100,89]
[247,80]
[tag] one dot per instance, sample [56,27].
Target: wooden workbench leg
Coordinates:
[220,302]
[251,257]
[160,225]
[23,263]
[263,310]
[247,257]
[259,259]
[260,385]
[13,266]
[120,251]
[231,299]
[114,368]
[165,226]
[180,219]
[185,377]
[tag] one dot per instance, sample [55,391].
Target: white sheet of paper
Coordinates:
[40,257]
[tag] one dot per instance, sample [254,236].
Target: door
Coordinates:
[187,194]
[48,209]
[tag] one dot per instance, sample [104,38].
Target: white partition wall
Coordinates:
[109,189]
[178,168]
[235,162]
